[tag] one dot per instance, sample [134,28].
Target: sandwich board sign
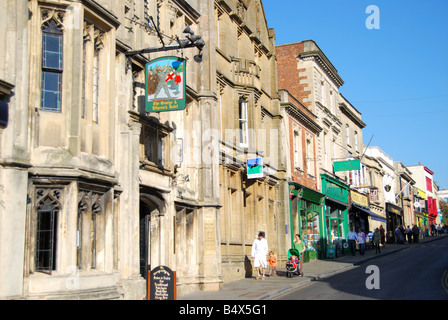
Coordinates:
[254,168]
[165,84]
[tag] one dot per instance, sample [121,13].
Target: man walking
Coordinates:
[351,239]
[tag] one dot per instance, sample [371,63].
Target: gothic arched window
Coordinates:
[52,66]
[46,234]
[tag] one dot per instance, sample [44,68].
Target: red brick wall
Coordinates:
[288,73]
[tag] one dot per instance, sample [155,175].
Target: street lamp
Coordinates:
[191,42]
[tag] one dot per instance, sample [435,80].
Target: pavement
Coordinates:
[274,287]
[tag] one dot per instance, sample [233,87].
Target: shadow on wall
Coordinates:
[248,267]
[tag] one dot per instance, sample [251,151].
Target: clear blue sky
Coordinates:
[396,76]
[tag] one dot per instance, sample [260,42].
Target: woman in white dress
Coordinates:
[259,253]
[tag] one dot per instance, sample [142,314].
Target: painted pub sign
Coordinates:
[165,84]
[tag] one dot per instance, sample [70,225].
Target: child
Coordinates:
[272,264]
[292,264]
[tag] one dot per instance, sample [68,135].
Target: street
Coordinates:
[417,273]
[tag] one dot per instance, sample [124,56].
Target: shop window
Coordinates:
[310,225]
[52,67]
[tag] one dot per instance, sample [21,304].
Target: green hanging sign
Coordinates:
[165,84]
[347,165]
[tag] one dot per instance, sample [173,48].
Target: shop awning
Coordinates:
[306,193]
[372,215]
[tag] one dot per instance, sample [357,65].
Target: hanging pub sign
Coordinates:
[165,84]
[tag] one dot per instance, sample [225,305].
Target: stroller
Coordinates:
[292,265]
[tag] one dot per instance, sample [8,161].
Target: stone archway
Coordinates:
[152,206]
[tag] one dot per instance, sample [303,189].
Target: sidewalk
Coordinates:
[273,287]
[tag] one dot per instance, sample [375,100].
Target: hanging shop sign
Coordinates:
[165,84]
[359,198]
[347,165]
[254,168]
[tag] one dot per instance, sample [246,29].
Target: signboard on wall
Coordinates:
[347,165]
[162,284]
[359,198]
[254,168]
[165,84]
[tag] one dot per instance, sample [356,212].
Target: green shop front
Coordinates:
[305,206]
[335,220]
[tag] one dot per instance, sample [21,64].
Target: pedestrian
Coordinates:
[376,240]
[398,235]
[416,233]
[351,239]
[259,253]
[272,264]
[409,234]
[299,245]
[382,235]
[361,241]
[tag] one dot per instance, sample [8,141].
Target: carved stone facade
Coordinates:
[249,123]
[97,194]
[95,191]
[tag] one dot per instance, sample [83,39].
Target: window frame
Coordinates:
[243,122]
[51,29]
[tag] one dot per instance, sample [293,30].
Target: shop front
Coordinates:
[394,216]
[360,215]
[335,216]
[306,218]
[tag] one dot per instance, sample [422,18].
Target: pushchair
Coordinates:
[292,265]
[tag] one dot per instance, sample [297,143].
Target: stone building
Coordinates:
[99,191]
[105,191]
[374,179]
[311,78]
[393,212]
[249,120]
[404,192]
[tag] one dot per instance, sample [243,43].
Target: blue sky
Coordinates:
[396,76]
